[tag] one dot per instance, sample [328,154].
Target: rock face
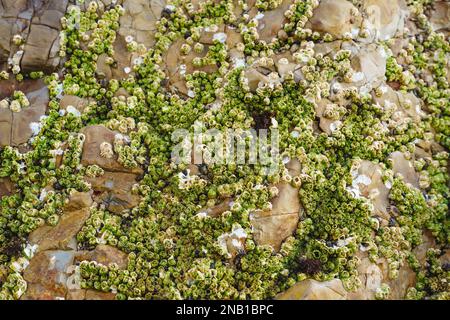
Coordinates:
[113,188]
[335,17]
[405,168]
[384,18]
[52,272]
[440,16]
[6,187]
[315,290]
[139,20]
[272,227]
[39,23]
[17,128]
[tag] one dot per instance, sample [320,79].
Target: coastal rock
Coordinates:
[336,17]
[315,290]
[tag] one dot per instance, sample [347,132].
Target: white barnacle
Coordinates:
[106,150]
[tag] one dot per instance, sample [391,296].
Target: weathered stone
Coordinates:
[335,17]
[272,21]
[384,18]
[274,226]
[314,290]
[16,128]
[98,295]
[405,168]
[6,187]
[440,16]
[46,274]
[105,255]
[74,101]
[114,190]
[141,15]
[77,294]
[62,236]
[95,136]
[79,200]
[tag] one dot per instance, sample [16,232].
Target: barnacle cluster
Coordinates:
[176,249]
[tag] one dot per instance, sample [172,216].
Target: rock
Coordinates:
[440,16]
[6,187]
[373,275]
[336,17]
[77,294]
[46,275]
[38,22]
[367,182]
[103,70]
[98,295]
[404,167]
[384,18]
[255,78]
[105,255]
[78,103]
[16,128]
[79,200]
[114,190]
[139,20]
[274,226]
[272,21]
[62,236]
[371,62]
[314,290]
[95,136]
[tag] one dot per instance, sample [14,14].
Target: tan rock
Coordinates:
[440,15]
[114,189]
[74,101]
[79,200]
[95,136]
[98,295]
[272,21]
[335,17]
[274,226]
[405,168]
[314,290]
[105,255]
[6,187]
[62,236]
[77,294]
[46,275]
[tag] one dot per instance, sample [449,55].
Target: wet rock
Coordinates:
[17,128]
[95,136]
[440,16]
[274,226]
[46,275]
[314,290]
[405,168]
[336,17]
[105,255]
[62,236]
[384,18]
[114,190]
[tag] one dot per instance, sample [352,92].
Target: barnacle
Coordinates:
[190,234]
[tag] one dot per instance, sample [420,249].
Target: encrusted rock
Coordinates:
[62,236]
[114,190]
[105,255]
[336,17]
[95,136]
[315,290]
